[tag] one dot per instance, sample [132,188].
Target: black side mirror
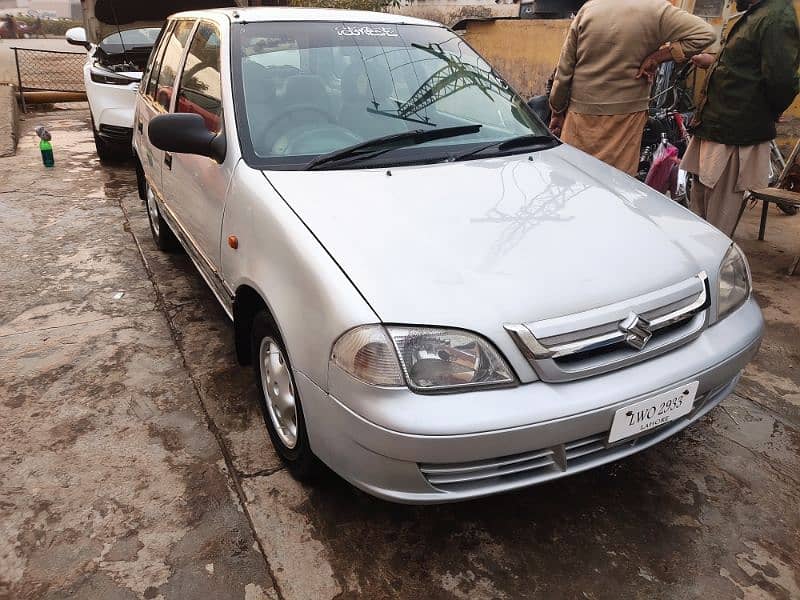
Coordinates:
[541,106]
[186,133]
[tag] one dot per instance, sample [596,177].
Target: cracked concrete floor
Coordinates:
[135,465]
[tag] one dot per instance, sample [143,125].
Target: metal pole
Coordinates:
[19,82]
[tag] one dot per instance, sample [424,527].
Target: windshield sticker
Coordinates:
[366,30]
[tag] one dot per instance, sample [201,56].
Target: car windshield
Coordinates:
[315,88]
[130,39]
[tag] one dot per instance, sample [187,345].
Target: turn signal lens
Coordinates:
[367,354]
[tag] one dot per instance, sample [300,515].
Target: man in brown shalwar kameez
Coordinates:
[602,84]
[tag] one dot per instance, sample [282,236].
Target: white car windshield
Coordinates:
[314,88]
[130,39]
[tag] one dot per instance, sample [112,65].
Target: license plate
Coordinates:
[654,412]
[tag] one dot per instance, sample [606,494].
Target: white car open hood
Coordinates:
[506,240]
[102,17]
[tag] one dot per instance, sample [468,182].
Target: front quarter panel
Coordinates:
[311,299]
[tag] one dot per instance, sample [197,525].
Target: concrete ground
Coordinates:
[135,465]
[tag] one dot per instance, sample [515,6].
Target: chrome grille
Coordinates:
[547,463]
[615,336]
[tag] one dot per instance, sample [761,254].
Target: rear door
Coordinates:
[156,95]
[195,186]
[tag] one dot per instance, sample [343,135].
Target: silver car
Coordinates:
[440,300]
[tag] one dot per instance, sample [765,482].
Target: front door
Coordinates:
[195,187]
[156,91]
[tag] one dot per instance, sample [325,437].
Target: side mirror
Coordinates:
[77,37]
[186,133]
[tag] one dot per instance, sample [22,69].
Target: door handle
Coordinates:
[168,160]
[140,127]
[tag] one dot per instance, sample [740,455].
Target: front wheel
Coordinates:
[279,399]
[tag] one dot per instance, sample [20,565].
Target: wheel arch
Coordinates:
[247,302]
[141,183]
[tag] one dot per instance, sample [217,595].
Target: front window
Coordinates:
[311,89]
[200,91]
[170,62]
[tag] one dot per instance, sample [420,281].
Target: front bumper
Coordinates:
[110,104]
[112,134]
[402,466]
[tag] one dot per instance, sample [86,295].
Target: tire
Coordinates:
[279,399]
[162,235]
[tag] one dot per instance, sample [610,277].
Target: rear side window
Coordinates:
[171,62]
[200,89]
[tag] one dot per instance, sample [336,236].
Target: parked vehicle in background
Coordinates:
[440,300]
[118,37]
[111,74]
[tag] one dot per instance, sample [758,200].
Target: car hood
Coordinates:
[504,240]
[103,17]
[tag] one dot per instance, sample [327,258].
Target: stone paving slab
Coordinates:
[113,485]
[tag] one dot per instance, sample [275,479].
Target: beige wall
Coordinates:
[526,51]
[451,12]
[523,51]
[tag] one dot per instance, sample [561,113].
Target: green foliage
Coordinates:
[51,27]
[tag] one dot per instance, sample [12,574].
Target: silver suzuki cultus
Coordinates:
[440,300]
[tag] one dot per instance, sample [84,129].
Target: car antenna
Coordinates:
[119,30]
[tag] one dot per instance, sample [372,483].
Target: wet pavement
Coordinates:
[135,463]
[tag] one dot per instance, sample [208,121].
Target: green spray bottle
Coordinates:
[46,146]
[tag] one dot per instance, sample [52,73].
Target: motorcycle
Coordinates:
[669,110]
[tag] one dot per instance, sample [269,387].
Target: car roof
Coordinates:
[289,13]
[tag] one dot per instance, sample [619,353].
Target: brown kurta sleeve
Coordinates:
[688,34]
[562,83]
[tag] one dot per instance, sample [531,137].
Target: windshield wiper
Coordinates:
[522,141]
[377,146]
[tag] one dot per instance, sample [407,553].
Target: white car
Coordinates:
[439,299]
[118,37]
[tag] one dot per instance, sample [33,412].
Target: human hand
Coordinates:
[557,123]
[650,64]
[648,68]
[703,60]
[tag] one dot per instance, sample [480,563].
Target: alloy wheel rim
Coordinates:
[279,393]
[152,210]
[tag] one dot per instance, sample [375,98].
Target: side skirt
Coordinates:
[208,272]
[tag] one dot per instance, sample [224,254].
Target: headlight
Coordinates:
[430,359]
[446,359]
[109,77]
[734,282]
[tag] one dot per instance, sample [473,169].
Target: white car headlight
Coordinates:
[734,282]
[107,77]
[446,359]
[430,359]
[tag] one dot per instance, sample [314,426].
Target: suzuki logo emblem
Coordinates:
[637,331]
